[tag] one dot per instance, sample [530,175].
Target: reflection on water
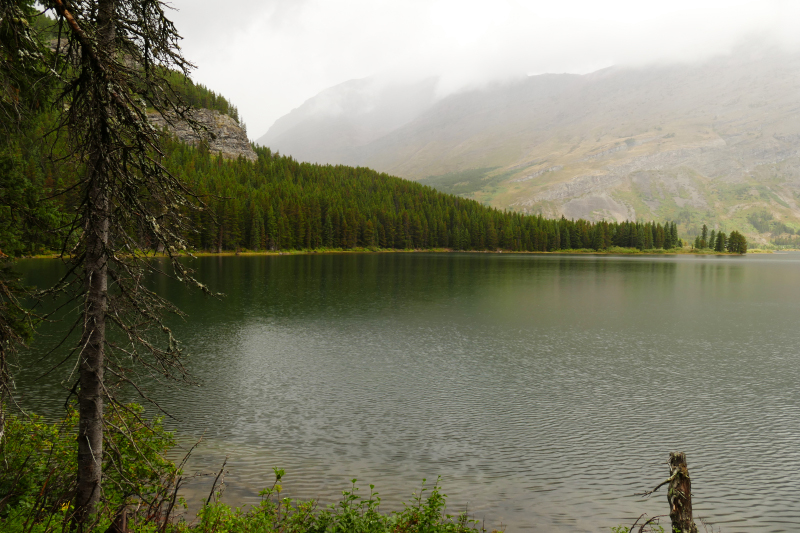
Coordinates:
[545,390]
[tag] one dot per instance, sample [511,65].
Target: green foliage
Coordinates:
[28,223]
[764,222]
[278,203]
[737,243]
[37,481]
[792,241]
[465,182]
[38,468]
[720,244]
[198,95]
[352,514]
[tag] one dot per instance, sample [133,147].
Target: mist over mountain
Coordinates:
[718,140]
[335,124]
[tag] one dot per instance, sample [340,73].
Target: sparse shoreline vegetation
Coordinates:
[142,492]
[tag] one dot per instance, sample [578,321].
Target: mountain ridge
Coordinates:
[714,141]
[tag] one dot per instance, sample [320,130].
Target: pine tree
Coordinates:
[721,243]
[327,232]
[597,238]
[737,243]
[111,73]
[271,229]
[640,237]
[256,224]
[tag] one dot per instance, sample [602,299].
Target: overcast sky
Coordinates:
[269,56]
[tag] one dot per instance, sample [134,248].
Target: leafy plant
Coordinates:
[38,469]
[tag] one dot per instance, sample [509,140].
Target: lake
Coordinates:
[545,390]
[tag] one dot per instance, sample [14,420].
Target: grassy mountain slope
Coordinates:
[717,142]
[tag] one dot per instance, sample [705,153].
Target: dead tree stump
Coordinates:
[679,495]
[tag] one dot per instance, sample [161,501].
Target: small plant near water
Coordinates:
[37,488]
[353,513]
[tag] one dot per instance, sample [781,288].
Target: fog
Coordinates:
[268,57]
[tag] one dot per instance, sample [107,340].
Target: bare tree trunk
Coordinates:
[90,394]
[93,339]
[679,495]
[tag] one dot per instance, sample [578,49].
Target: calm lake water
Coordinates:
[545,390]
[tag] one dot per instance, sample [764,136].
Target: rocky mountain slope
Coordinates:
[716,142]
[225,135]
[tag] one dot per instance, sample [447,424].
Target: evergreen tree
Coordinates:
[271,229]
[112,72]
[327,232]
[640,243]
[648,236]
[256,225]
[737,243]
[721,243]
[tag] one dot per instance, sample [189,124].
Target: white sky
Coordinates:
[269,56]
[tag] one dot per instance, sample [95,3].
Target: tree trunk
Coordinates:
[91,392]
[679,495]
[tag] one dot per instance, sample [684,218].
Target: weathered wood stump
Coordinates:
[679,495]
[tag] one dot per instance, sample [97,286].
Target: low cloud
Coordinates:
[269,57]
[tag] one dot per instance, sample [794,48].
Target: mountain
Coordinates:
[330,127]
[717,141]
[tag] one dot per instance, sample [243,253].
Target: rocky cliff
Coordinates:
[225,134]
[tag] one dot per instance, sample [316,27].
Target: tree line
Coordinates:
[719,242]
[198,95]
[278,203]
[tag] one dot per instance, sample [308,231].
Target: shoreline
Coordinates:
[333,251]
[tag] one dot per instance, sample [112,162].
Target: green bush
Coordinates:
[38,469]
[352,514]
[37,483]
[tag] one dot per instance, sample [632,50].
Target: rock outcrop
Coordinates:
[224,136]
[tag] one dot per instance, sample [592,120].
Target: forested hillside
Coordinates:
[198,95]
[278,203]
